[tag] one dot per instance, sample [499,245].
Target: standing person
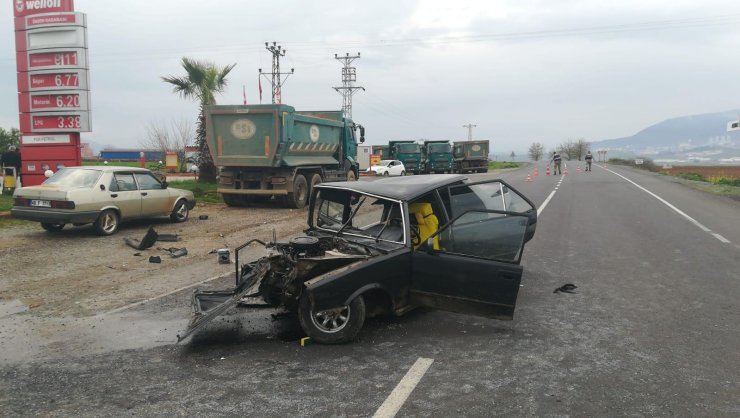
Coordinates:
[11,158]
[556,160]
[589,159]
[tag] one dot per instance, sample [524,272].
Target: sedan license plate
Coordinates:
[41,203]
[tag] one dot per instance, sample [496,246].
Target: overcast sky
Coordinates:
[523,71]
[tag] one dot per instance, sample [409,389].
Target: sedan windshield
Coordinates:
[74,177]
[349,213]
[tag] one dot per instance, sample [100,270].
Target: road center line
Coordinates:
[397,398]
[677,210]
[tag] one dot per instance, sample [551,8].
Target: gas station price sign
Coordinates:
[56,121]
[61,79]
[53,59]
[54,100]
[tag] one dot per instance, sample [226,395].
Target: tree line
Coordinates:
[569,149]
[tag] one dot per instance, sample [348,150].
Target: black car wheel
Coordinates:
[181,211]
[52,227]
[332,326]
[107,222]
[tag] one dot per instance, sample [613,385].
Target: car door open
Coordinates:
[474,267]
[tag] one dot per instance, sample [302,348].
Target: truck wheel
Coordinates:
[332,326]
[298,198]
[351,175]
[231,199]
[315,179]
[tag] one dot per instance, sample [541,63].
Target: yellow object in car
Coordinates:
[427,223]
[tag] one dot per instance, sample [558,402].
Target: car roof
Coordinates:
[397,188]
[109,168]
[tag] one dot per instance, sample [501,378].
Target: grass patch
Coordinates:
[204,191]
[6,201]
[496,165]
[692,176]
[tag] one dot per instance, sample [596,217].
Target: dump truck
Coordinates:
[381,151]
[436,157]
[470,156]
[408,152]
[275,150]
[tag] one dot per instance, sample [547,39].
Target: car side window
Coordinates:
[148,182]
[124,182]
[483,234]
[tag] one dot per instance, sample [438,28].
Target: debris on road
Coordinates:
[155,259]
[203,217]
[566,288]
[175,252]
[168,237]
[149,239]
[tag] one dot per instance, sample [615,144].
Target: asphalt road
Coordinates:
[651,330]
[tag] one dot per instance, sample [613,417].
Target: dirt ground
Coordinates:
[75,273]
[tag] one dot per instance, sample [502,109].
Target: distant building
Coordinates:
[86,151]
[130,155]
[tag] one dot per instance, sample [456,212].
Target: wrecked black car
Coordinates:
[385,247]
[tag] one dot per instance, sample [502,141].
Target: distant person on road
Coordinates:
[589,159]
[556,161]
[11,158]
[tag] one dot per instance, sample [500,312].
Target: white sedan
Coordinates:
[388,168]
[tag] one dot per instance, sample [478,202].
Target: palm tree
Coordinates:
[203,80]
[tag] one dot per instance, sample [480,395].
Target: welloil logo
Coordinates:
[23,5]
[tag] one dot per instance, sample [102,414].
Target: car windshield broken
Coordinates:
[354,214]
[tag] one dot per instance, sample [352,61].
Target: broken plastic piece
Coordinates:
[149,239]
[155,259]
[203,217]
[566,288]
[176,252]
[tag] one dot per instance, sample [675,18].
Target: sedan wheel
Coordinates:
[107,223]
[181,212]
[386,174]
[52,227]
[332,326]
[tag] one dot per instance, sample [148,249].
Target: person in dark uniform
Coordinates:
[589,159]
[556,160]
[11,158]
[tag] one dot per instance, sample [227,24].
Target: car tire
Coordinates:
[297,199]
[334,326]
[107,222]
[386,174]
[181,211]
[52,227]
[403,173]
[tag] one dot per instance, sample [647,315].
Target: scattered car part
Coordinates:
[566,288]
[149,239]
[155,259]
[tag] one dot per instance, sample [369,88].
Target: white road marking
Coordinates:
[141,302]
[721,238]
[542,206]
[677,210]
[396,399]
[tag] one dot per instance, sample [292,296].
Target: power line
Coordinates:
[349,76]
[276,79]
[470,127]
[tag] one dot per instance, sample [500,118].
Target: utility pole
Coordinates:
[276,76]
[349,76]
[470,127]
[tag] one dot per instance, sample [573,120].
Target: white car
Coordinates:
[388,168]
